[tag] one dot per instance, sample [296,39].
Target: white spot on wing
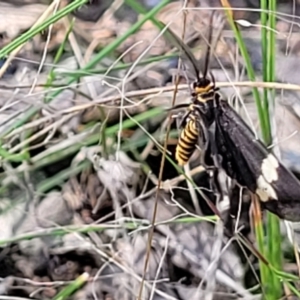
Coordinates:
[269,168]
[265,190]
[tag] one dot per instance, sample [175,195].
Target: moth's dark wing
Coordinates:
[234,158]
[181,46]
[249,162]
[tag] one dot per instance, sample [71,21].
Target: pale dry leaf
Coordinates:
[16,19]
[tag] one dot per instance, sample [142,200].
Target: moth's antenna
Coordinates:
[209,41]
[180,45]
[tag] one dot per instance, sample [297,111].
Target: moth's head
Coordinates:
[202,83]
[202,86]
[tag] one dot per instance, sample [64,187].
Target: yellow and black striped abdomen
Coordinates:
[187,141]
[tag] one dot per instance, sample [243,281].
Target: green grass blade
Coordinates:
[141,10]
[120,66]
[66,292]
[34,31]
[268,43]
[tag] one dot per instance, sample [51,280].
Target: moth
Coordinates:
[229,143]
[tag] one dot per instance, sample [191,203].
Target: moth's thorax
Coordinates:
[203,90]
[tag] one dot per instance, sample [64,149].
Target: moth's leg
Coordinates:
[215,183]
[238,218]
[203,139]
[209,156]
[184,118]
[215,167]
[177,116]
